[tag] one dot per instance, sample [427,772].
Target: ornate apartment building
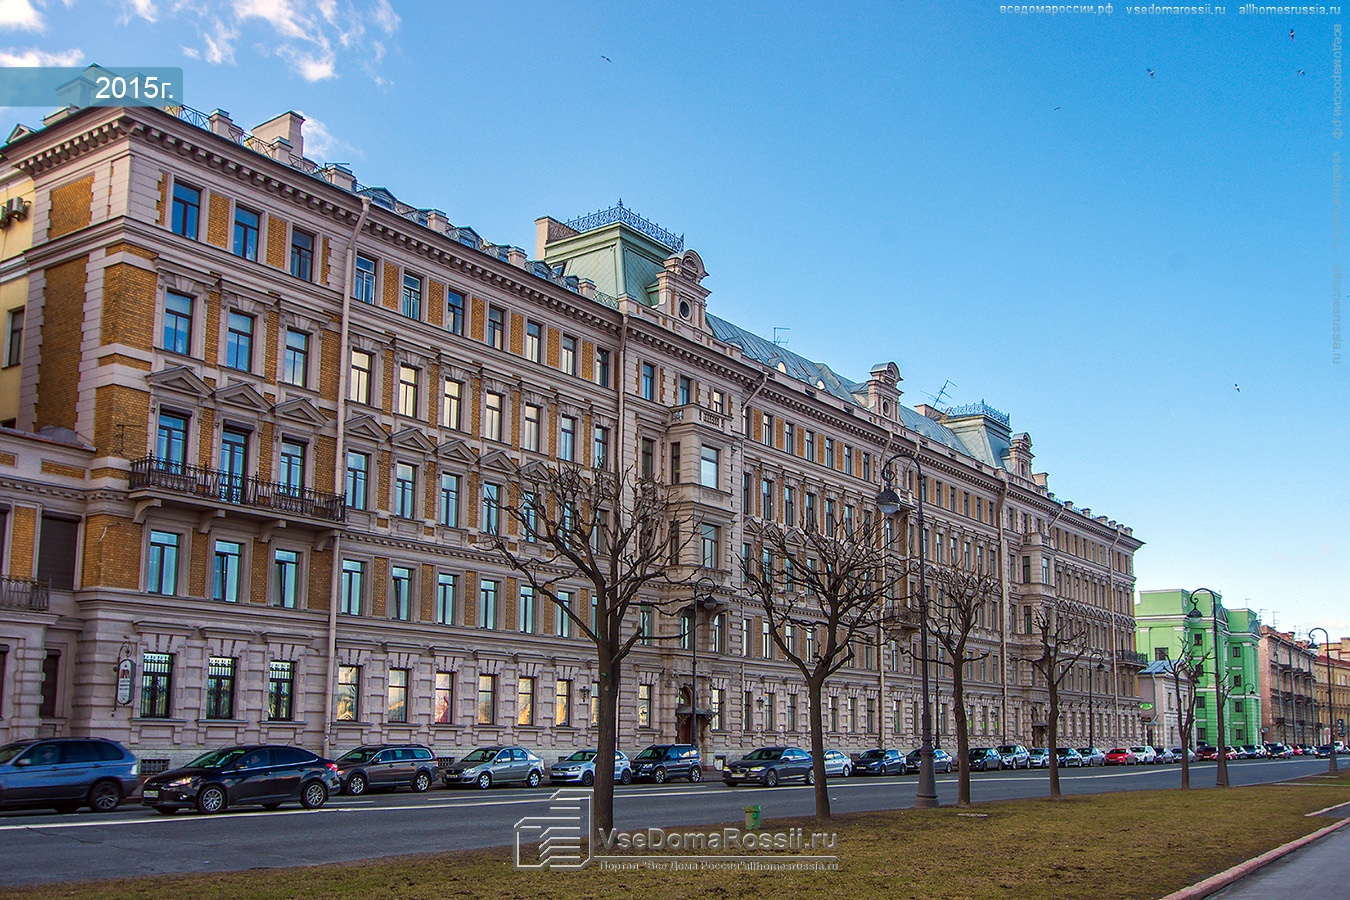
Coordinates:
[265,416]
[1288,674]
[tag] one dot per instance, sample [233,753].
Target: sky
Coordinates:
[1120,229]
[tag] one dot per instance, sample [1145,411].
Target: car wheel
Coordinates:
[105,796]
[356,785]
[771,778]
[810,776]
[166,810]
[846,771]
[314,795]
[271,806]
[211,799]
[485,780]
[695,775]
[626,777]
[659,776]
[533,779]
[422,782]
[587,778]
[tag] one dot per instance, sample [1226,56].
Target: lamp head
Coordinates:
[888,501]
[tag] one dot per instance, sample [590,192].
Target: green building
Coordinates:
[1165,631]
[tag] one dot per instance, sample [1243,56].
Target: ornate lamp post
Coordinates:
[1331,706]
[703,599]
[1221,778]
[1092,719]
[889,503]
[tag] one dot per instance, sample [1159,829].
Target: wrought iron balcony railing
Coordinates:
[23,593]
[1133,658]
[236,490]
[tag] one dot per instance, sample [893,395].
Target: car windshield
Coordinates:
[764,753]
[217,759]
[976,752]
[652,753]
[1065,751]
[482,754]
[1119,750]
[1007,748]
[359,755]
[873,754]
[581,756]
[1086,751]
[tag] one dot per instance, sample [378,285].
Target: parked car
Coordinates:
[580,768]
[1276,750]
[1308,749]
[1015,756]
[1145,754]
[387,766]
[487,766]
[66,773]
[1068,758]
[1255,751]
[942,760]
[1121,756]
[1206,752]
[1323,751]
[837,763]
[1092,756]
[1039,757]
[1179,753]
[1165,756]
[769,766]
[984,759]
[265,775]
[881,762]
[661,762]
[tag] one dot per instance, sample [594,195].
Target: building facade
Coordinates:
[267,416]
[1159,685]
[1166,631]
[1331,687]
[1287,670]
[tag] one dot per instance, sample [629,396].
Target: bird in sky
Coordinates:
[605,58]
[1236,388]
[1150,73]
[1056,109]
[1291,34]
[1301,72]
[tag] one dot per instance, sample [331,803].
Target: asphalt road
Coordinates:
[1317,870]
[43,847]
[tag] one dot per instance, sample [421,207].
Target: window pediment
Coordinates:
[180,379]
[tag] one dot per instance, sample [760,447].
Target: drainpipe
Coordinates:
[1110,598]
[621,369]
[340,473]
[1004,578]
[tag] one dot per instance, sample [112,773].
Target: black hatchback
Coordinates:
[248,774]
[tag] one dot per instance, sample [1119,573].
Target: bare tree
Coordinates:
[615,531]
[821,593]
[1063,642]
[1184,673]
[958,597]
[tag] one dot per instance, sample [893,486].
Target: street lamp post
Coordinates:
[1221,777]
[1092,719]
[702,599]
[1331,706]
[888,501]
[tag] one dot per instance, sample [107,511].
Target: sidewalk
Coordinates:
[1315,870]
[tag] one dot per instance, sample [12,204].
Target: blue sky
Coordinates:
[1010,204]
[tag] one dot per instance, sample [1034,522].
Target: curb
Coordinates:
[1222,880]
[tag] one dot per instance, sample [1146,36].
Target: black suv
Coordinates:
[661,762]
[387,766]
[66,773]
[248,774]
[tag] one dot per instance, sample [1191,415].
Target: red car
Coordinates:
[1212,753]
[1121,756]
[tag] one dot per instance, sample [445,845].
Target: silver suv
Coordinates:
[66,773]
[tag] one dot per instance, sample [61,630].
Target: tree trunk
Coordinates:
[962,737]
[602,803]
[1054,741]
[814,688]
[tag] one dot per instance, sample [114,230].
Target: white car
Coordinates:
[1147,756]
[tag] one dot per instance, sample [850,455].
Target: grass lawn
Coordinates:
[1140,844]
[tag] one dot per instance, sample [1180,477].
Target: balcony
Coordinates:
[1132,658]
[21,593]
[212,488]
[693,414]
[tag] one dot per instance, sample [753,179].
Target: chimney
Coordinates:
[339,175]
[437,221]
[223,125]
[287,126]
[516,257]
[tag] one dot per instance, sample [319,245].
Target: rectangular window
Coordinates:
[562,703]
[716,704]
[302,254]
[848,460]
[487,604]
[602,367]
[525,700]
[286,575]
[447,589]
[601,455]
[829,518]
[648,384]
[492,418]
[496,327]
[710,468]
[717,401]
[225,571]
[177,327]
[442,702]
[792,712]
[363,286]
[789,505]
[448,514]
[219,688]
[410,303]
[348,693]
[280,690]
[239,342]
[675,463]
[810,445]
[451,397]
[407,390]
[358,388]
[534,334]
[567,360]
[562,622]
[648,457]
[530,438]
[765,641]
[171,440]
[353,586]
[396,706]
[400,593]
[645,627]
[161,568]
[492,508]
[246,226]
[789,437]
[187,205]
[295,365]
[766,498]
[454,312]
[51,683]
[405,490]
[487,700]
[712,539]
[644,706]
[685,390]
[829,452]
[156,681]
[291,468]
[766,430]
[567,438]
[358,479]
[525,610]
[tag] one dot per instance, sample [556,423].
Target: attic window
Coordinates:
[820,384]
[885,407]
[684,309]
[782,367]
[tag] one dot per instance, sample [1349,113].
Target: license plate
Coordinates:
[150,795]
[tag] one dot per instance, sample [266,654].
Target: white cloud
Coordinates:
[35,57]
[145,9]
[320,143]
[312,69]
[219,43]
[20,14]
[283,15]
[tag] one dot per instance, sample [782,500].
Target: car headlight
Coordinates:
[756,768]
[182,782]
